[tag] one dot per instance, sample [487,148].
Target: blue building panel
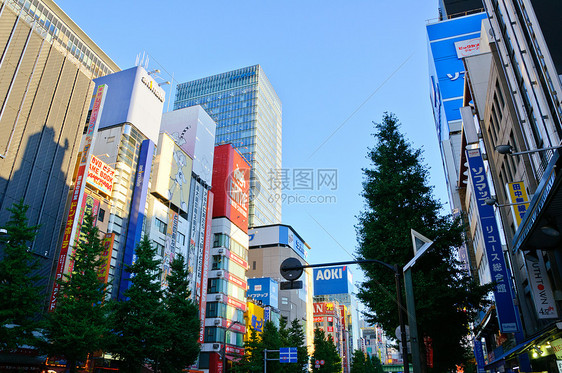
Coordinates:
[264,289]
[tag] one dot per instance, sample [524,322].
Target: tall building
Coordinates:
[46,69]
[454,8]
[248,115]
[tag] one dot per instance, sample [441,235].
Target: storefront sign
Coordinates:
[468,47]
[557,347]
[499,271]
[540,287]
[517,193]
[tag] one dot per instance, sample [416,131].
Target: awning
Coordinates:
[522,347]
[544,209]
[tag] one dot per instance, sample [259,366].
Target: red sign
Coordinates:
[236,303]
[324,308]
[236,259]
[231,186]
[237,281]
[330,329]
[318,319]
[429,351]
[205,265]
[234,350]
[241,328]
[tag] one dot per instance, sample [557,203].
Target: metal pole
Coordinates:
[412,320]
[397,275]
[265,360]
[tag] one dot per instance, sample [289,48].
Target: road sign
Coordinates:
[317,362]
[322,362]
[317,366]
[295,270]
[290,285]
[288,355]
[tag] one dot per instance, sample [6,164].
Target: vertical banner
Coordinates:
[91,206]
[105,256]
[479,355]
[169,246]
[540,287]
[517,193]
[205,269]
[136,214]
[500,273]
[77,195]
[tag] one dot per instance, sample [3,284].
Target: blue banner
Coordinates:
[332,280]
[136,214]
[500,274]
[479,355]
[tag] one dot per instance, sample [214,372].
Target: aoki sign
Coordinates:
[333,280]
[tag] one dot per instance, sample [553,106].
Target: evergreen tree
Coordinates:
[21,298]
[183,324]
[358,362]
[252,361]
[325,349]
[139,321]
[78,325]
[374,365]
[297,339]
[271,340]
[397,199]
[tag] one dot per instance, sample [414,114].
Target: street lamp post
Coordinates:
[224,345]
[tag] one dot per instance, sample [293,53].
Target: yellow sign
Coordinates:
[518,196]
[254,318]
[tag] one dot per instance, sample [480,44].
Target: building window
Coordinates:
[212,309]
[101,215]
[284,300]
[254,265]
[159,248]
[181,239]
[161,226]
[217,262]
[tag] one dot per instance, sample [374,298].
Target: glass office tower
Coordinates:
[248,115]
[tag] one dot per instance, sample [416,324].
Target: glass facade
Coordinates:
[248,116]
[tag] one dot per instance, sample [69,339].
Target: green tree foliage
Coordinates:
[325,349]
[79,325]
[273,338]
[397,199]
[138,321]
[358,362]
[183,320]
[20,297]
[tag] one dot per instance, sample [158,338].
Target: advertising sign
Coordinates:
[479,355]
[236,259]
[255,318]
[502,292]
[332,280]
[324,308]
[540,287]
[205,269]
[77,195]
[231,186]
[136,213]
[172,173]
[193,130]
[169,246]
[236,303]
[100,176]
[105,256]
[468,47]
[264,289]
[278,234]
[517,193]
[91,206]
[557,348]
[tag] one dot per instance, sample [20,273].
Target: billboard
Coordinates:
[324,308]
[331,280]
[193,130]
[172,169]
[264,289]
[136,213]
[169,246]
[278,235]
[205,270]
[231,186]
[541,290]
[503,293]
[100,176]
[105,256]
[135,98]
[517,193]
[255,319]
[79,186]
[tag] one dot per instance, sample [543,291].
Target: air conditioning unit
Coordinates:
[217,321]
[216,346]
[221,251]
[220,273]
[218,297]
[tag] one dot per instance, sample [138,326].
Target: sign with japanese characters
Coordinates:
[518,195]
[499,271]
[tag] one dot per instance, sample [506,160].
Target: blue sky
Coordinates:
[336,65]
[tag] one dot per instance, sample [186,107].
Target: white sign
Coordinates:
[559,365]
[100,175]
[540,287]
[468,47]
